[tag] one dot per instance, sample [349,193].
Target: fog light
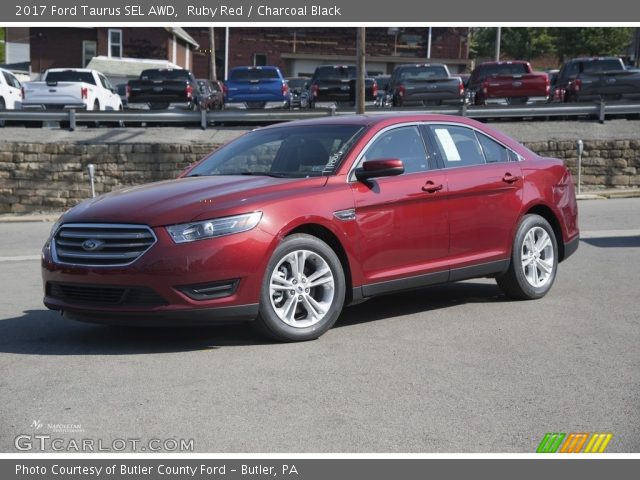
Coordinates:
[210,291]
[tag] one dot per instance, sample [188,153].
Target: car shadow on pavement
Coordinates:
[43,332]
[421,300]
[614,242]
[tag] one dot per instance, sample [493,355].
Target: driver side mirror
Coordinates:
[387,167]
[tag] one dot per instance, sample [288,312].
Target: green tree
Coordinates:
[522,43]
[573,42]
[2,46]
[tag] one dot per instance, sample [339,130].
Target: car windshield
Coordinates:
[602,66]
[500,69]
[252,73]
[422,73]
[290,152]
[70,76]
[336,73]
[297,82]
[165,75]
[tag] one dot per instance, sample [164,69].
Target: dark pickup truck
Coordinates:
[426,84]
[161,87]
[337,84]
[589,79]
[509,83]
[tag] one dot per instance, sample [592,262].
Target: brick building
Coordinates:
[122,51]
[76,47]
[298,51]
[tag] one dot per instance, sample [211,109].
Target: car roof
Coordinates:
[378,119]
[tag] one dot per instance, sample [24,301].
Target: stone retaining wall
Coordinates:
[53,176]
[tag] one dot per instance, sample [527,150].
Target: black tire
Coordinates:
[517,282]
[3,107]
[397,101]
[270,322]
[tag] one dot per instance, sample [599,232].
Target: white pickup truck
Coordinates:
[10,91]
[66,88]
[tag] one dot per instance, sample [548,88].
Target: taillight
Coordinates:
[485,88]
[547,85]
[577,84]
[188,90]
[375,89]
[461,88]
[225,89]
[285,89]
[401,90]
[314,90]
[128,91]
[22,92]
[84,93]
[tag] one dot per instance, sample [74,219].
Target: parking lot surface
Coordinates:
[456,368]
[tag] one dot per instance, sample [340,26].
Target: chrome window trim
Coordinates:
[56,260]
[477,131]
[350,174]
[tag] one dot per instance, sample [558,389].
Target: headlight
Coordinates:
[46,249]
[190,232]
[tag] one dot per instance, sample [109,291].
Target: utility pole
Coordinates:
[360,70]
[498,35]
[212,59]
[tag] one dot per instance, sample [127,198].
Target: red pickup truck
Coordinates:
[510,83]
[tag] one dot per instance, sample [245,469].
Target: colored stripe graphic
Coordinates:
[550,442]
[573,442]
[598,443]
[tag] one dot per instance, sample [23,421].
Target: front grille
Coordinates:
[103,294]
[101,245]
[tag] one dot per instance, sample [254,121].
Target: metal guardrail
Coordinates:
[600,110]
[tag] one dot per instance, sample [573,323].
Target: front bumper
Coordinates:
[165,284]
[204,316]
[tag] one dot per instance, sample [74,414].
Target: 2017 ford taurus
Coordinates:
[288,224]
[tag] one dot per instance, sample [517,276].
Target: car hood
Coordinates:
[187,199]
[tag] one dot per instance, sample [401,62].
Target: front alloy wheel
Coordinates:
[303,290]
[534,260]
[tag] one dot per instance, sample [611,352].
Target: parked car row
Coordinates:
[503,82]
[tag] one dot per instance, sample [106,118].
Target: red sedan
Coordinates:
[287,224]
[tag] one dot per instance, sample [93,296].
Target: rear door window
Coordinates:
[457,146]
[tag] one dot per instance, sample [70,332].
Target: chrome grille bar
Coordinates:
[101,245]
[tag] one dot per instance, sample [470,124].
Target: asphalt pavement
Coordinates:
[456,368]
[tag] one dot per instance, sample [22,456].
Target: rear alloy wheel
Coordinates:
[534,260]
[303,290]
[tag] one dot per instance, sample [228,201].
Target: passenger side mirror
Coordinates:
[387,167]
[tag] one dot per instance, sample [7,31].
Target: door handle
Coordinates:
[431,187]
[508,178]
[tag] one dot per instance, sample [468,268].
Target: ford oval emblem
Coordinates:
[91,245]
